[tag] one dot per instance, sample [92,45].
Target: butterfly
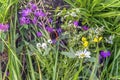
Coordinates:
[57,31]
[55,34]
[79,25]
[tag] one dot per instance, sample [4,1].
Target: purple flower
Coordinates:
[26,12]
[39,13]
[85,28]
[75,23]
[59,30]
[54,41]
[39,34]
[34,20]
[49,29]
[105,54]
[50,20]
[33,6]
[24,20]
[4,27]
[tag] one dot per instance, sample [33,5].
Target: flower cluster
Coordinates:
[85,42]
[87,39]
[78,24]
[4,27]
[31,14]
[44,44]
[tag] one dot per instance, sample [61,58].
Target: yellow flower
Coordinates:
[84,39]
[100,38]
[97,39]
[85,43]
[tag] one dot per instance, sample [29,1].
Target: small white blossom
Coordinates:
[73,14]
[38,45]
[44,45]
[82,54]
[110,39]
[50,41]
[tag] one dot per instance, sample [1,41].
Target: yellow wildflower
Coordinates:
[97,39]
[100,38]
[85,43]
[84,39]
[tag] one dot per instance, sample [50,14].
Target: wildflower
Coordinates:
[26,12]
[38,45]
[44,45]
[34,20]
[4,27]
[54,41]
[39,34]
[24,20]
[97,39]
[39,13]
[49,29]
[82,54]
[59,30]
[50,20]
[50,41]
[98,30]
[85,43]
[105,54]
[85,28]
[110,39]
[75,23]
[73,14]
[84,39]
[33,6]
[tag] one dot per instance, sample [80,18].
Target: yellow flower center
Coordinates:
[82,55]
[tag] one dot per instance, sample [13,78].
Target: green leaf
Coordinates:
[68,54]
[1,46]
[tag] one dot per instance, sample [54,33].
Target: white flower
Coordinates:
[82,54]
[110,39]
[44,45]
[50,41]
[73,14]
[38,45]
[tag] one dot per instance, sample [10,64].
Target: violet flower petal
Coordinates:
[39,34]
[26,12]
[49,29]
[105,54]
[75,23]
[4,27]
[85,28]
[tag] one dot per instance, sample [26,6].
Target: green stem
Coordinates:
[55,67]
[92,76]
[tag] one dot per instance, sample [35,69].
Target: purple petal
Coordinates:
[4,27]
[39,34]
[85,28]
[59,30]
[34,20]
[105,54]
[39,13]
[24,20]
[54,41]
[33,6]
[26,12]
[75,23]
[49,29]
